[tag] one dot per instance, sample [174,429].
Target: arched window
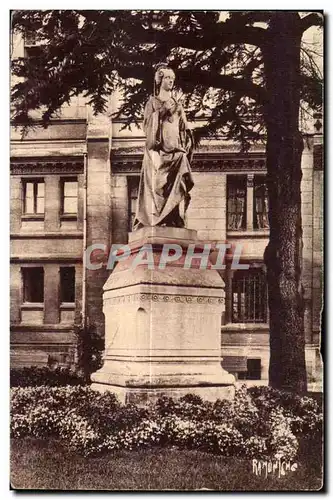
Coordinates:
[249,297]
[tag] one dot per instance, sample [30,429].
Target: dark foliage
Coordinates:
[35,376]
[90,348]
[219,64]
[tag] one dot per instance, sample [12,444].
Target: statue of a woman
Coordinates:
[166,177]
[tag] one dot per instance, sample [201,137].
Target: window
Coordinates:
[33,53]
[247,203]
[249,297]
[32,48]
[236,208]
[253,371]
[33,284]
[33,193]
[67,284]
[30,39]
[133,191]
[69,189]
[260,203]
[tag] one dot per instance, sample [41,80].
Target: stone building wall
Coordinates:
[206,213]
[99,220]
[43,333]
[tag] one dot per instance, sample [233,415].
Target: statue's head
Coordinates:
[164,77]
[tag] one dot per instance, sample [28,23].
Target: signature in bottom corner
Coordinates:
[276,467]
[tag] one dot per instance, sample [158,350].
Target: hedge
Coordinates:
[255,423]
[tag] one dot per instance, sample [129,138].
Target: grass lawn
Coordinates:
[44,464]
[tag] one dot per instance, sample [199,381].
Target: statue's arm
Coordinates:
[147,114]
[151,125]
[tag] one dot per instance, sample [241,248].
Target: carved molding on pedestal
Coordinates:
[181,299]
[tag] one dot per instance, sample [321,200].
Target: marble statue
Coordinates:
[166,177]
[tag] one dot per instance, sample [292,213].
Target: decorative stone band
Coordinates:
[180,299]
[39,167]
[129,160]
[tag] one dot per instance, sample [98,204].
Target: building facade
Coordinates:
[75,184]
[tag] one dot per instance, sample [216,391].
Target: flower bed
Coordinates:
[253,424]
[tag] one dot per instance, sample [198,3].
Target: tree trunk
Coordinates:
[283,254]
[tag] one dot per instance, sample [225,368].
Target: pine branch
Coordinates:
[313,19]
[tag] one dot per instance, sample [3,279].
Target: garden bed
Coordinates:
[260,424]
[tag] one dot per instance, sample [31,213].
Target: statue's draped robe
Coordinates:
[166,177]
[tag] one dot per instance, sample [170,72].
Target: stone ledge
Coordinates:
[143,396]
[249,234]
[179,277]
[47,235]
[160,234]
[244,327]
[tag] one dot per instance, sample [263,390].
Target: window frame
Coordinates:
[241,178]
[25,271]
[248,316]
[250,374]
[61,286]
[32,46]
[35,181]
[68,215]
[261,177]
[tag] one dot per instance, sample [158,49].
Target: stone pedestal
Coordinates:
[163,326]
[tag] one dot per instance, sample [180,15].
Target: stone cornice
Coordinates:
[47,235]
[45,258]
[130,160]
[227,163]
[38,166]
[222,147]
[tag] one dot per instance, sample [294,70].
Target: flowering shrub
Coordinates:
[303,412]
[147,433]
[79,433]
[189,406]
[255,446]
[38,411]
[281,442]
[90,423]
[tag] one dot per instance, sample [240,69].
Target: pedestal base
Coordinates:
[142,396]
[163,326]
